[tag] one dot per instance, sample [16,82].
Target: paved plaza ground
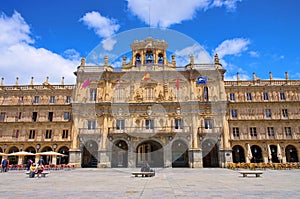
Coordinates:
[168,183]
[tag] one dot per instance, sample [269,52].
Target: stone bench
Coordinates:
[143,174]
[43,174]
[246,173]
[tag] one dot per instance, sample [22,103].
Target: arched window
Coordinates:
[137,59]
[205,93]
[149,57]
[160,59]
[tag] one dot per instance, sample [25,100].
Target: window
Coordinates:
[253,132]
[285,113]
[282,96]
[91,124]
[66,115]
[149,124]
[36,99]
[266,96]
[208,124]
[236,132]
[120,124]
[20,115]
[288,131]
[231,96]
[31,134]
[93,94]
[68,99]
[249,96]
[48,134]
[2,116]
[149,93]
[65,133]
[50,116]
[268,113]
[34,116]
[120,93]
[52,99]
[270,131]
[178,124]
[205,93]
[17,133]
[234,113]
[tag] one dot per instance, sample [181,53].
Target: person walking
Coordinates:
[4,165]
[41,161]
[29,163]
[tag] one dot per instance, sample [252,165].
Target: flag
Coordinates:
[86,83]
[177,83]
[201,80]
[147,76]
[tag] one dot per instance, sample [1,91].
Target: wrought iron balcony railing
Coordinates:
[165,129]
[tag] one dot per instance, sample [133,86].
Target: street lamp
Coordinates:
[4,147]
[54,146]
[38,146]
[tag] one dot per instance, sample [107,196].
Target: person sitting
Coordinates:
[32,170]
[145,168]
[40,169]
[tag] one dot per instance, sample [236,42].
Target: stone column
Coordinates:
[168,153]
[131,155]
[104,158]
[195,158]
[75,157]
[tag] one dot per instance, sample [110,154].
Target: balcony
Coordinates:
[87,131]
[144,130]
[262,136]
[89,134]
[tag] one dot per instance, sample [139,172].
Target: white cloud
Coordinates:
[232,47]
[200,55]
[108,44]
[14,30]
[71,54]
[19,58]
[229,4]
[254,54]
[164,13]
[103,26]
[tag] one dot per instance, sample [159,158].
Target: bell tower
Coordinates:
[148,54]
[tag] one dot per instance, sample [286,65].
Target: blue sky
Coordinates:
[48,38]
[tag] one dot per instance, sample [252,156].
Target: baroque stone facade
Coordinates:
[151,110]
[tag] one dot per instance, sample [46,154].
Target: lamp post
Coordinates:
[38,146]
[4,148]
[54,147]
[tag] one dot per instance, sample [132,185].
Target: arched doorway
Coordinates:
[63,159]
[256,154]
[13,159]
[210,153]
[150,152]
[90,154]
[291,154]
[47,158]
[32,157]
[119,154]
[238,154]
[273,149]
[180,156]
